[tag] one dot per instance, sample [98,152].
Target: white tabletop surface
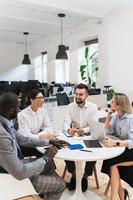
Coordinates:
[77,155]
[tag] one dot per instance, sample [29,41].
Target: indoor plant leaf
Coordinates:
[82,67]
[86,53]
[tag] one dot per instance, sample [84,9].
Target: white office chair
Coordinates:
[130,96]
[11,188]
[100,100]
[107,187]
[58,119]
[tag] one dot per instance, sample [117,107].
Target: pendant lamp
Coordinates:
[61,54]
[26,60]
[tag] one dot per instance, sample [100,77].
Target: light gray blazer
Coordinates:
[9,159]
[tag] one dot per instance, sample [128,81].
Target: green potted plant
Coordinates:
[46,86]
[110,93]
[89,69]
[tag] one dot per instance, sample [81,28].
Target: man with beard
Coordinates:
[77,118]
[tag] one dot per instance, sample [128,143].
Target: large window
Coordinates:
[91,62]
[41,67]
[62,71]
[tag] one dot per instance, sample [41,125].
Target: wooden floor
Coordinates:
[103,180]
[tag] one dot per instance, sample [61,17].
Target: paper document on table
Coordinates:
[11,188]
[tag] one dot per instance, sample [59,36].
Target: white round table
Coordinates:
[80,156]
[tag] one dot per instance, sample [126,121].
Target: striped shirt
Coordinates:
[122,128]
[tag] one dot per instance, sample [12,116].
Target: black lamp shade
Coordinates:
[26,60]
[61,54]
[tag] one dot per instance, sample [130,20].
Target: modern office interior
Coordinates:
[96,36]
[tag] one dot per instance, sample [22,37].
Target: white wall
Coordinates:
[11,55]
[120,49]
[115,36]
[74,39]
[12,70]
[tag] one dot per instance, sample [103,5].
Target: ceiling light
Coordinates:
[26,60]
[61,54]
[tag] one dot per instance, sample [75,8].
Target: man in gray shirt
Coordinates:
[40,171]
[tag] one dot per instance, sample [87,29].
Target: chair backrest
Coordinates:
[100,100]
[58,117]
[130,96]
[62,99]
[11,188]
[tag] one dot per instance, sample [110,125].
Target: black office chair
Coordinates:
[62,99]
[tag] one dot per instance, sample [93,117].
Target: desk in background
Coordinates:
[53,98]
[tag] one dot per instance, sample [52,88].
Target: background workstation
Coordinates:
[111,25]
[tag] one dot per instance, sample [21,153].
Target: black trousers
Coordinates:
[89,167]
[28,151]
[126,173]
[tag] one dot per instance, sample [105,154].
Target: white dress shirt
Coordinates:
[31,123]
[77,117]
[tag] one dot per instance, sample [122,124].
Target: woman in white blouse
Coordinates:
[121,126]
[34,119]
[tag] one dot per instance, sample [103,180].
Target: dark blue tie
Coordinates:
[12,132]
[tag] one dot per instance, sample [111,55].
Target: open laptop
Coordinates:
[97,131]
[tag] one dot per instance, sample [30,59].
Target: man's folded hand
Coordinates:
[72,131]
[51,152]
[80,132]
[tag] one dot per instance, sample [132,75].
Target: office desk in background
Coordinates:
[53,98]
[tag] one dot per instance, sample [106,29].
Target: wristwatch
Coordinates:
[117,143]
[45,158]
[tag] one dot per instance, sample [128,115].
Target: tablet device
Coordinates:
[88,133]
[66,133]
[92,143]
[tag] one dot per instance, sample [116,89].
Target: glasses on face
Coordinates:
[41,98]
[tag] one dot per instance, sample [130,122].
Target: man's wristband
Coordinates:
[45,158]
[118,144]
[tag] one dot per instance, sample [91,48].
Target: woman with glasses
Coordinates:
[120,125]
[34,119]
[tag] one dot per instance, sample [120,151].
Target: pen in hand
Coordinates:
[86,150]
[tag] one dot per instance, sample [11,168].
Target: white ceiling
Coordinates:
[39,17]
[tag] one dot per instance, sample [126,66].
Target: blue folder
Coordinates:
[75,146]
